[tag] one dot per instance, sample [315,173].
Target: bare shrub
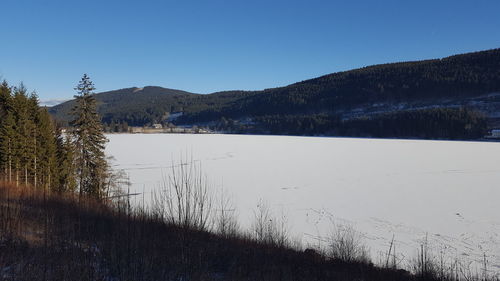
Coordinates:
[263,226]
[116,180]
[346,244]
[267,228]
[225,221]
[426,265]
[282,231]
[185,197]
[64,237]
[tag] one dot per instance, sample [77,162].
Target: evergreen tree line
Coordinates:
[35,151]
[432,123]
[435,123]
[318,124]
[32,150]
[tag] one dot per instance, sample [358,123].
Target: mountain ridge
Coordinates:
[463,80]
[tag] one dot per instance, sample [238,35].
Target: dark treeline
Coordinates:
[434,123]
[299,124]
[439,123]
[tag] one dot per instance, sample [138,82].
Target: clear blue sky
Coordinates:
[207,46]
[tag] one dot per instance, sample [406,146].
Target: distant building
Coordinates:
[168,129]
[157,126]
[136,130]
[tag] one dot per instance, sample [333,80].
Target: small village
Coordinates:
[171,129]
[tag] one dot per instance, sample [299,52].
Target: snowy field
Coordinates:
[446,191]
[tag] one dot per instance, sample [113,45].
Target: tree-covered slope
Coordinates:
[455,78]
[135,105]
[469,80]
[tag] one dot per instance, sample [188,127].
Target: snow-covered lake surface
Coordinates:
[445,190]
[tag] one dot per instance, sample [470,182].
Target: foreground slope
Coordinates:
[54,237]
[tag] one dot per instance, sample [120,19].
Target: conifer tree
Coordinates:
[47,151]
[33,137]
[7,145]
[5,100]
[88,141]
[66,181]
[24,126]
[7,131]
[29,148]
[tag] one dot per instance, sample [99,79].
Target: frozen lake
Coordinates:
[448,191]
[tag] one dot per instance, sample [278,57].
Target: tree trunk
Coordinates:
[10,163]
[35,180]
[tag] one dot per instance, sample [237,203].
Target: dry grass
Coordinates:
[60,237]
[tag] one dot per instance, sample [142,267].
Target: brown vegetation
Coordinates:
[62,237]
[188,233]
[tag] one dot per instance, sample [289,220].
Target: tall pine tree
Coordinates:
[46,151]
[89,141]
[23,146]
[7,131]
[65,169]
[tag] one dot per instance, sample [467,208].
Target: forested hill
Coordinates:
[469,80]
[136,105]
